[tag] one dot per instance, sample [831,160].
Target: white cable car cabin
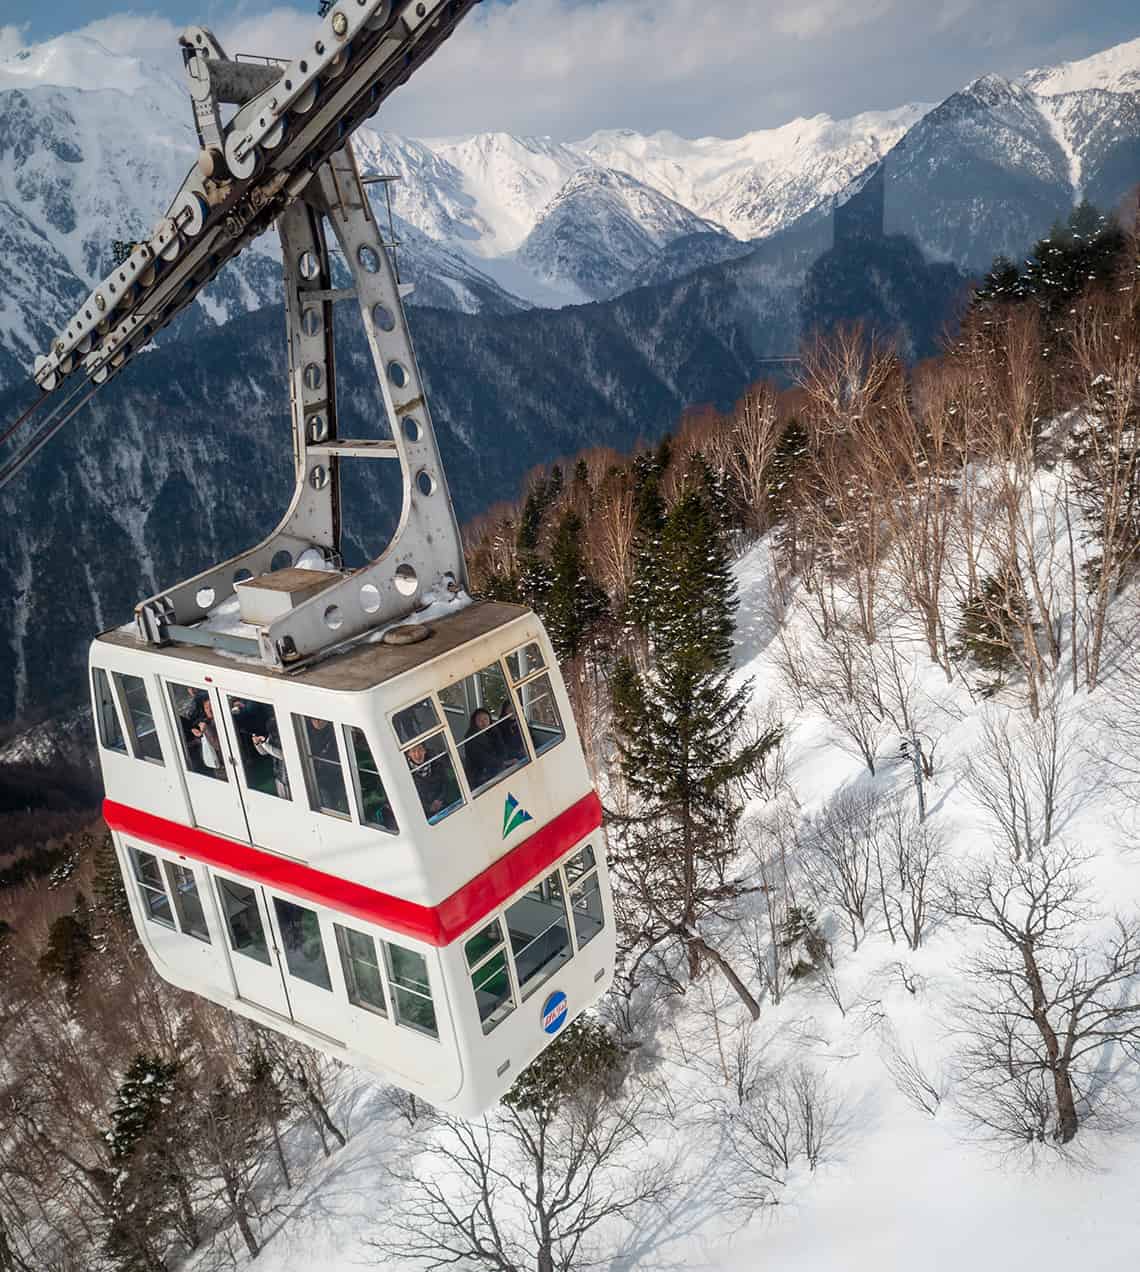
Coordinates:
[392,856]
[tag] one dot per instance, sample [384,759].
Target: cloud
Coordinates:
[567,67]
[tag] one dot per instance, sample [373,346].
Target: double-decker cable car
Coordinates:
[391,855]
[350,805]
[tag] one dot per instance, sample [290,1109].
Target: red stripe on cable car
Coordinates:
[436,925]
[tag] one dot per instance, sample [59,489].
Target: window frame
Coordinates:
[440,726]
[354,773]
[395,987]
[528,756]
[309,769]
[590,874]
[181,742]
[143,889]
[469,794]
[267,937]
[286,948]
[128,720]
[502,946]
[103,695]
[233,736]
[517,686]
[168,869]
[341,932]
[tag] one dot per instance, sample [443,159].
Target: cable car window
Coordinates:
[148,876]
[579,864]
[585,896]
[414,721]
[259,743]
[197,730]
[324,776]
[361,968]
[541,713]
[301,938]
[140,721]
[243,918]
[540,934]
[523,662]
[490,976]
[106,714]
[434,775]
[411,989]
[372,801]
[481,717]
[187,902]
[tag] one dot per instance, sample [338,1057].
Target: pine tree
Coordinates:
[988,628]
[649,522]
[1002,285]
[152,1196]
[110,893]
[69,945]
[573,604]
[584,1055]
[678,729]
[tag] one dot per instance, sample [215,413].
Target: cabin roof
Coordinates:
[363,665]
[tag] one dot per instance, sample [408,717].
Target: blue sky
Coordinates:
[566,67]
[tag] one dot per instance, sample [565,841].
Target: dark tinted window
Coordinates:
[301,939]
[140,720]
[107,714]
[243,919]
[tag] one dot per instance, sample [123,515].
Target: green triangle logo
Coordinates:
[513,815]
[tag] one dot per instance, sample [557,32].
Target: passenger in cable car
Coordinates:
[482,754]
[209,748]
[434,778]
[327,793]
[269,744]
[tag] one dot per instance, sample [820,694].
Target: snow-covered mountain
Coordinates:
[93,144]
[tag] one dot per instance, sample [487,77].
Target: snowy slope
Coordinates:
[896,1187]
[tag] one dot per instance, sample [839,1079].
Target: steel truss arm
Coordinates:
[425,554]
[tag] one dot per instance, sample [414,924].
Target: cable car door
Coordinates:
[308,949]
[208,761]
[254,954]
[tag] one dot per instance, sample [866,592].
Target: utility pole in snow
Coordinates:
[912,747]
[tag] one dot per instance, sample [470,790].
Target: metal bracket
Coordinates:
[425,554]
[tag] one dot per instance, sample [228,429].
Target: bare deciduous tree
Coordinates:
[838,850]
[1021,778]
[785,1116]
[1057,986]
[525,1188]
[907,856]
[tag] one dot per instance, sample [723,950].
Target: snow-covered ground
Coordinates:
[896,1187]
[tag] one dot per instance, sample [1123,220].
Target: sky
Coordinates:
[564,68]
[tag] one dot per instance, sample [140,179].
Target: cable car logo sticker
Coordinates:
[513,815]
[554,1012]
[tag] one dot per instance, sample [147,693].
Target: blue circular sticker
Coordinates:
[554,1012]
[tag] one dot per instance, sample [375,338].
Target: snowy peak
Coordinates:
[602,227]
[77,61]
[1115,70]
[757,184]
[510,181]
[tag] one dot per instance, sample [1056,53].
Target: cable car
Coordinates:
[348,804]
[392,856]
